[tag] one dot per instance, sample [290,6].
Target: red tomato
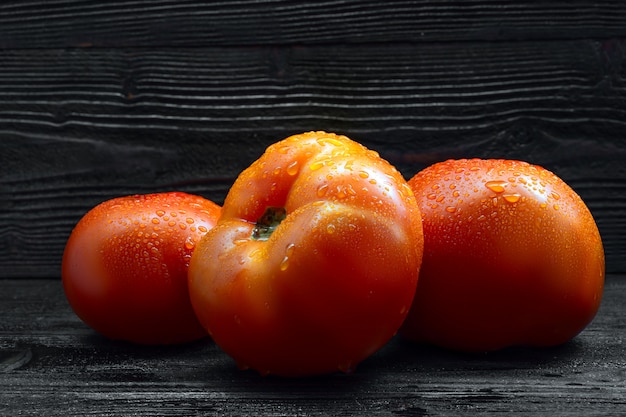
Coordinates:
[125,266]
[313,264]
[512,256]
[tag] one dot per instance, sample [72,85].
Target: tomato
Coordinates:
[512,256]
[124,268]
[313,264]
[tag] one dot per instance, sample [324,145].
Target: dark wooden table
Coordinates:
[51,364]
[102,99]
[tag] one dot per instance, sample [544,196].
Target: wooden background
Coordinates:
[102,99]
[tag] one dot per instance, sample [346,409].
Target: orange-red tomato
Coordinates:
[512,256]
[125,266]
[313,264]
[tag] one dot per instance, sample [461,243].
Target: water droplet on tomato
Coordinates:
[330,229]
[284,264]
[314,166]
[363,174]
[556,207]
[511,198]
[293,168]
[189,243]
[328,141]
[321,190]
[160,213]
[155,221]
[451,209]
[555,195]
[496,186]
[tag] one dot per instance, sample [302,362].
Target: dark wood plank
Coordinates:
[52,364]
[132,23]
[81,126]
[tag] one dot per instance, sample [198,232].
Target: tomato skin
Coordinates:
[124,267]
[333,282]
[512,256]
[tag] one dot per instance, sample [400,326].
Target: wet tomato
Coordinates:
[313,264]
[512,256]
[125,264]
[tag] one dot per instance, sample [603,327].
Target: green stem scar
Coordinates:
[268,222]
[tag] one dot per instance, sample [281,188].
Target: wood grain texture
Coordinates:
[79,126]
[132,23]
[52,364]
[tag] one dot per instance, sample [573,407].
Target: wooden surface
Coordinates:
[102,99]
[51,364]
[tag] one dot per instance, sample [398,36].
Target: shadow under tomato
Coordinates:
[403,354]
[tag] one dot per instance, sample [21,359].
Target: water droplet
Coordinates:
[314,166]
[496,186]
[160,213]
[555,195]
[203,229]
[511,198]
[363,174]
[452,186]
[189,220]
[284,264]
[277,171]
[172,223]
[183,226]
[556,207]
[293,168]
[451,209]
[543,205]
[329,141]
[155,221]
[330,229]
[431,196]
[321,190]
[189,243]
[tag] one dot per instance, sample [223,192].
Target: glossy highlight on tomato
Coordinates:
[124,268]
[512,256]
[314,262]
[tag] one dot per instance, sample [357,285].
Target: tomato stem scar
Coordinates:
[268,222]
